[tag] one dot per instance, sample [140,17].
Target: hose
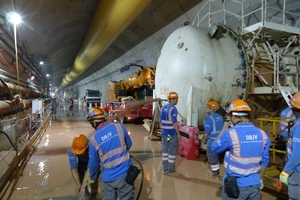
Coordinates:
[142,173]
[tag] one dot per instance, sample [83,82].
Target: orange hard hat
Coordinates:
[172,95]
[295,101]
[80,144]
[213,104]
[239,108]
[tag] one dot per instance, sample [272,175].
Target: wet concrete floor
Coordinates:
[47,175]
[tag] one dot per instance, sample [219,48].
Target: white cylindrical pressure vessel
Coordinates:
[215,68]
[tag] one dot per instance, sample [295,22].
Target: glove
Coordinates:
[284,177]
[261,184]
[90,181]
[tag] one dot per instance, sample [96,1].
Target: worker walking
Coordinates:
[246,157]
[213,124]
[287,113]
[109,148]
[71,106]
[291,171]
[170,134]
[78,155]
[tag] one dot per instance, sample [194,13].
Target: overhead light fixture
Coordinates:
[14,18]
[47,75]
[32,78]
[41,62]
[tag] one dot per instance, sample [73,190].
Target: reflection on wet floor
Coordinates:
[47,175]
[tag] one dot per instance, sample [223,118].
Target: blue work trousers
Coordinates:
[294,186]
[246,193]
[212,158]
[119,186]
[169,151]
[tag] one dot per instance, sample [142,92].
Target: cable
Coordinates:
[142,173]
[15,148]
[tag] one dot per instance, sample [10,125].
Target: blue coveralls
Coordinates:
[285,114]
[80,162]
[213,124]
[292,166]
[109,149]
[168,117]
[247,149]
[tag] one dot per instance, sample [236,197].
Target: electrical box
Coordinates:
[37,106]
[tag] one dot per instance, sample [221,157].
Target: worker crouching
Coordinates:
[246,157]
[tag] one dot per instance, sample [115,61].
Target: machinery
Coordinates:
[254,58]
[137,87]
[93,97]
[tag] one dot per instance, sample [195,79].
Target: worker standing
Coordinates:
[247,154]
[170,134]
[291,171]
[54,106]
[287,113]
[78,155]
[213,124]
[109,148]
[71,106]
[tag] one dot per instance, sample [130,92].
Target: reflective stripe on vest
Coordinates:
[168,124]
[117,161]
[237,160]
[214,134]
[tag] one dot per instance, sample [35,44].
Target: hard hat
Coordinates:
[80,144]
[172,95]
[96,114]
[239,108]
[213,104]
[295,101]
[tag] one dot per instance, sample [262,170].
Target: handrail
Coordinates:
[208,13]
[23,150]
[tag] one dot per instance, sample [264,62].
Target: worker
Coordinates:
[287,113]
[71,106]
[109,148]
[96,115]
[291,171]
[246,157]
[78,155]
[170,134]
[213,124]
[54,106]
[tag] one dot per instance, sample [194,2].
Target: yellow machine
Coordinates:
[128,87]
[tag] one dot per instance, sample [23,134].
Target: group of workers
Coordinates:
[246,148]
[105,153]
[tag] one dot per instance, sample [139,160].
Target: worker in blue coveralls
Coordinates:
[287,113]
[291,171]
[170,134]
[246,157]
[213,124]
[109,148]
[78,155]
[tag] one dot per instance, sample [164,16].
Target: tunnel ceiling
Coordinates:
[54,31]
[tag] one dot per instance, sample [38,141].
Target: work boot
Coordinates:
[174,174]
[214,174]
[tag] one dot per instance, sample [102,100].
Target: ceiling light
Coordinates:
[14,18]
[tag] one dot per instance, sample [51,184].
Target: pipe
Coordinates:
[110,20]
[9,46]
